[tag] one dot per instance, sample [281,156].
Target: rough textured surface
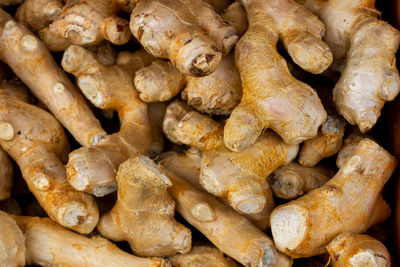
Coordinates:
[156,113]
[236,15]
[12,247]
[350,143]
[300,227]
[144,212]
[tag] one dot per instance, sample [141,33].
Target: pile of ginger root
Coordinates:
[220,133]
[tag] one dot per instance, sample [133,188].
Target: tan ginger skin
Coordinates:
[272,97]
[303,227]
[293,179]
[189,33]
[35,140]
[156,113]
[48,244]
[218,223]
[86,22]
[134,61]
[6,174]
[348,250]
[187,166]
[93,169]
[143,214]
[29,58]
[370,77]
[236,15]
[326,144]
[12,252]
[10,2]
[201,256]
[350,143]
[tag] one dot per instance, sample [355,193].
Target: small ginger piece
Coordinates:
[348,250]
[272,97]
[236,15]
[239,175]
[303,227]
[6,175]
[159,82]
[105,53]
[38,144]
[143,214]
[134,61]
[30,60]
[12,246]
[370,77]
[350,143]
[201,256]
[156,113]
[183,125]
[189,33]
[93,169]
[10,2]
[229,231]
[87,22]
[48,244]
[326,144]
[293,179]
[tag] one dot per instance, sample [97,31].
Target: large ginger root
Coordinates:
[88,23]
[303,227]
[239,175]
[143,214]
[293,180]
[6,174]
[183,125]
[348,250]
[189,33]
[369,77]
[93,169]
[187,166]
[326,144]
[156,113]
[28,57]
[251,247]
[201,256]
[48,244]
[36,141]
[38,14]
[236,15]
[12,247]
[272,97]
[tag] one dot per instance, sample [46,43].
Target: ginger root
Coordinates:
[358,250]
[303,227]
[236,15]
[189,33]
[143,214]
[156,113]
[370,77]
[29,58]
[48,244]
[93,169]
[6,175]
[12,252]
[134,61]
[36,141]
[272,97]
[10,2]
[350,143]
[293,179]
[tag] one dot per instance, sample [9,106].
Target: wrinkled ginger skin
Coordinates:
[350,143]
[239,175]
[143,214]
[29,58]
[299,227]
[370,77]
[201,256]
[38,144]
[293,179]
[348,250]
[48,244]
[12,246]
[177,30]
[6,175]
[272,97]
[218,223]
[93,169]
[236,15]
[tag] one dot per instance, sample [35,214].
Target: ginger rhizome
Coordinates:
[189,33]
[218,223]
[10,2]
[368,45]
[134,61]
[12,252]
[303,227]
[358,250]
[86,23]
[293,180]
[38,144]
[272,97]
[143,214]
[30,60]
[156,113]
[6,173]
[48,244]
[236,15]
[350,143]
[93,169]
[326,144]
